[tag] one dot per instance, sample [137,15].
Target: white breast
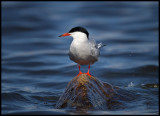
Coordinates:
[81,50]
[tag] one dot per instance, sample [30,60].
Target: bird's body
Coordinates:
[83,50]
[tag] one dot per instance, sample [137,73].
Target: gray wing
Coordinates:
[94,48]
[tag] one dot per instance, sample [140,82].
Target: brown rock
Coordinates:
[84,92]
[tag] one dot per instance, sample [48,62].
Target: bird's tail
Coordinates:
[100,45]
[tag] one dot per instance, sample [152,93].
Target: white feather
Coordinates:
[83,50]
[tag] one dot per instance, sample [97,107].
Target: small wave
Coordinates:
[143,71]
[39,112]
[12,96]
[131,84]
[147,68]
[54,85]
[50,99]
[33,53]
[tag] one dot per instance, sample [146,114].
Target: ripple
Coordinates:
[145,71]
[33,53]
[50,99]
[9,97]
[54,85]
[37,112]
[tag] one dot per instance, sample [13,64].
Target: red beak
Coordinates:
[65,34]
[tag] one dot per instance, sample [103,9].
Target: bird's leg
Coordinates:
[79,70]
[88,71]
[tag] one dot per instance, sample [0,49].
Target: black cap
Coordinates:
[79,29]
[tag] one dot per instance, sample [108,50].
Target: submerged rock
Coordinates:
[84,92]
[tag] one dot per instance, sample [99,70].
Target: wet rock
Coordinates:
[149,85]
[84,92]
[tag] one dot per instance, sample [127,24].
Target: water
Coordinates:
[35,63]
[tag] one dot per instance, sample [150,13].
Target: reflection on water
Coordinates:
[35,63]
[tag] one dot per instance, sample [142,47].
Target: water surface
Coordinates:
[35,63]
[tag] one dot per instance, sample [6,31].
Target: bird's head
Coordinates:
[77,32]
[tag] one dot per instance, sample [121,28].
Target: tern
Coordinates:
[83,51]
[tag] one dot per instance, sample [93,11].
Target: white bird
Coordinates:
[83,51]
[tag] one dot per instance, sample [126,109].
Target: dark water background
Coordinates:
[35,63]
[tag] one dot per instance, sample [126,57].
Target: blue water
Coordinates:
[35,63]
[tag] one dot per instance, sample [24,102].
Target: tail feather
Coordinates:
[100,45]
